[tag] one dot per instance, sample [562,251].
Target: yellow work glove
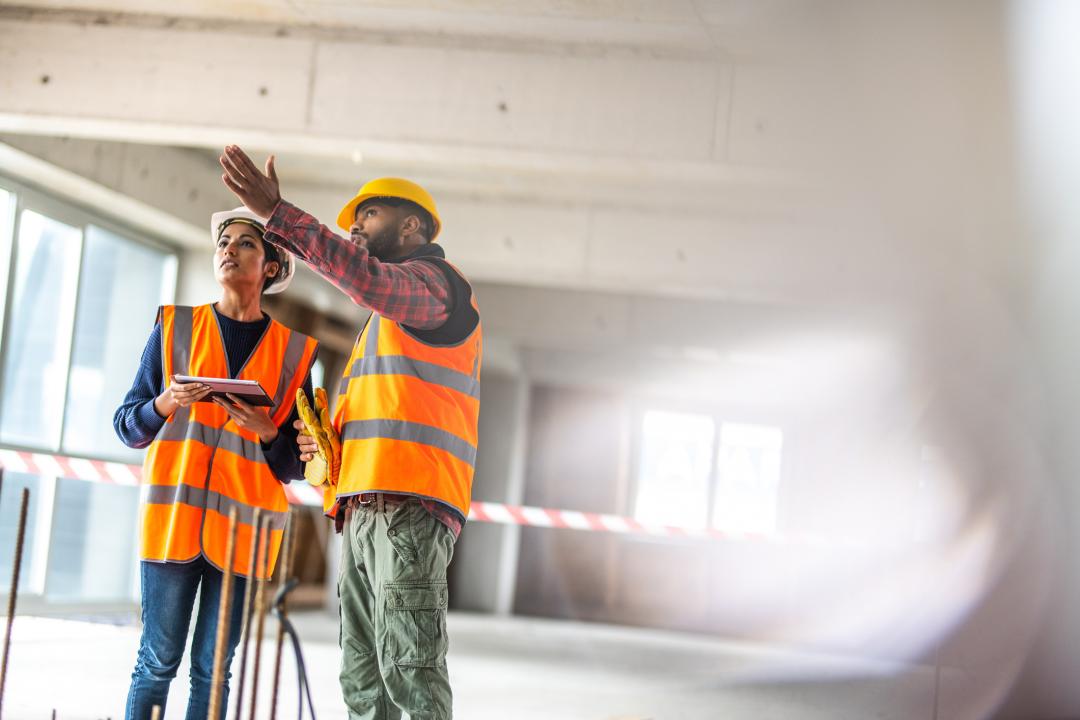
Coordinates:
[324,467]
[323,408]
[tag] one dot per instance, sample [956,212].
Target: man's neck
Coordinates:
[408,246]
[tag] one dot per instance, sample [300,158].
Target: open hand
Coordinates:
[258,190]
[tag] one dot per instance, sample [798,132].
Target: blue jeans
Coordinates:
[168,597]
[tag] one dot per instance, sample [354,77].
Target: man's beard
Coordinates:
[382,246]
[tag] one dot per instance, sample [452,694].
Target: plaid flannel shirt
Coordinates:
[408,291]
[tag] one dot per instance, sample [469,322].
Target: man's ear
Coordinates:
[410,225]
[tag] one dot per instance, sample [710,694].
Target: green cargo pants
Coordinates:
[393,612]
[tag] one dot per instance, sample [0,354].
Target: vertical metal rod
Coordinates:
[249,596]
[19,537]
[260,610]
[224,613]
[937,679]
[283,578]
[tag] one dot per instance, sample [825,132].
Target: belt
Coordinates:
[378,499]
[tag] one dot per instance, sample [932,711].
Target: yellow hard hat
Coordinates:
[394,188]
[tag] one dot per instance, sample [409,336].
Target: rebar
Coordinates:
[224,613]
[249,596]
[283,577]
[260,609]
[20,536]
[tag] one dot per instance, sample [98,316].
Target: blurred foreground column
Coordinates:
[1045,67]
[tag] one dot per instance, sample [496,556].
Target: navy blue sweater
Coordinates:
[137,421]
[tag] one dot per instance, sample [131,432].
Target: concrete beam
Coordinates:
[540,243]
[100,185]
[315,94]
[682,28]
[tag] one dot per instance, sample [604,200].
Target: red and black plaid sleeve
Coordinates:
[413,292]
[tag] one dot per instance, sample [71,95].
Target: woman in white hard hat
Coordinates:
[211,458]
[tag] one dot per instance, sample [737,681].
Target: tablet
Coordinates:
[250,391]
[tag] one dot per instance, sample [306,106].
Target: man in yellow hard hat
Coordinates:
[406,419]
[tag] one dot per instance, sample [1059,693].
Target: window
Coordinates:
[94,525]
[748,478]
[697,472]
[122,284]
[35,539]
[77,300]
[38,343]
[676,461]
[82,299]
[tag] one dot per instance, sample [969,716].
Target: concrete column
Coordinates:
[484,572]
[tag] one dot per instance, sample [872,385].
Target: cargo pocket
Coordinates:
[415,624]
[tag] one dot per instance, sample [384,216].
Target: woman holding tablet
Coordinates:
[208,456]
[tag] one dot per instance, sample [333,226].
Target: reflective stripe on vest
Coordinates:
[407,413]
[411,432]
[201,464]
[200,498]
[401,365]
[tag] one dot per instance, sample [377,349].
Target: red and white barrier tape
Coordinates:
[300,493]
[598,522]
[68,467]
[113,473]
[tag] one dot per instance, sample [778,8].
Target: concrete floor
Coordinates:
[519,668]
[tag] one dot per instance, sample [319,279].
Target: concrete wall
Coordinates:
[841,504]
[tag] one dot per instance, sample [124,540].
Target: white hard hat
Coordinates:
[220,220]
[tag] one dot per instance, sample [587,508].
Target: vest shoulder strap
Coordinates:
[162,308]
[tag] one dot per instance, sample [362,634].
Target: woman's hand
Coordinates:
[249,417]
[179,395]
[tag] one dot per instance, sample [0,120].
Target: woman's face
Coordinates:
[239,259]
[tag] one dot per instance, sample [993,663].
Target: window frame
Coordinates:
[721,415]
[7,250]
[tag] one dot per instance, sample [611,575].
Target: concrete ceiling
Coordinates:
[684,26]
[614,152]
[548,130]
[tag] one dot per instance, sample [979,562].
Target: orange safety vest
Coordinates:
[201,464]
[407,414]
